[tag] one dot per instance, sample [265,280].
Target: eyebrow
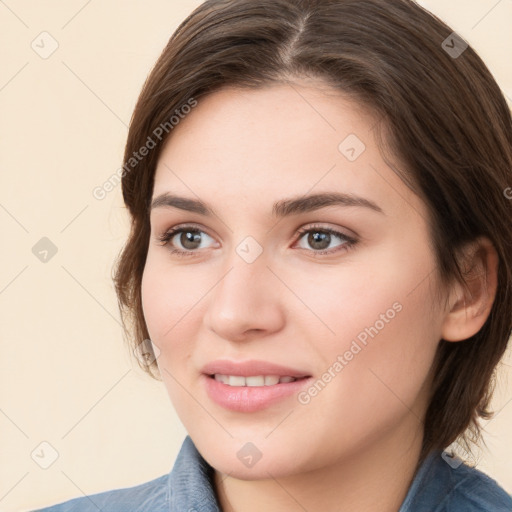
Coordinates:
[282,208]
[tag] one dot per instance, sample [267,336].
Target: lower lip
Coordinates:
[251,398]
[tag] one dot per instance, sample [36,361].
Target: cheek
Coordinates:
[381,292]
[384,341]
[173,301]
[167,305]
[168,296]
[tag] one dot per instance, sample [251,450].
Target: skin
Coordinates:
[356,444]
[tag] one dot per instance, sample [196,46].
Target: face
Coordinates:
[263,283]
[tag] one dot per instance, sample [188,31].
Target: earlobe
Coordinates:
[470,305]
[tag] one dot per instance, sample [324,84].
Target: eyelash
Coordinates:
[164,238]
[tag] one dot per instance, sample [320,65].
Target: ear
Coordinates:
[469,306]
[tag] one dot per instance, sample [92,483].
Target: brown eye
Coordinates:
[320,238]
[183,240]
[189,239]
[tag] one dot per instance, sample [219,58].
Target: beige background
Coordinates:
[65,376]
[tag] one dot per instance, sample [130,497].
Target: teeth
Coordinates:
[270,380]
[235,380]
[253,380]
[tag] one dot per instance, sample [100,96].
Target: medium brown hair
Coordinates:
[445,119]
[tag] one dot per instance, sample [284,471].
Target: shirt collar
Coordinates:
[190,482]
[427,484]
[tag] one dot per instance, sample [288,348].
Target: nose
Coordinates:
[247,302]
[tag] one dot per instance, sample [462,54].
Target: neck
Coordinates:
[375,479]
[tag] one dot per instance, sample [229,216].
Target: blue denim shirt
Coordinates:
[441,484]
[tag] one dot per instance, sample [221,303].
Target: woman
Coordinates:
[319,266]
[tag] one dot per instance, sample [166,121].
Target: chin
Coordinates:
[246,460]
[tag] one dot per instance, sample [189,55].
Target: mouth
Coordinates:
[254,380]
[251,386]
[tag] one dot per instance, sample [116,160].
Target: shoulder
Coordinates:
[189,486]
[477,492]
[446,484]
[152,495]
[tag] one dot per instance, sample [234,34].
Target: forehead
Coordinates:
[271,122]
[244,146]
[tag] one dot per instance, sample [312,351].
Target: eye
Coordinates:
[190,239]
[321,237]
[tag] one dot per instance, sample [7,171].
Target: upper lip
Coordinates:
[250,368]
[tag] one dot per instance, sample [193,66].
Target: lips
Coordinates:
[251,386]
